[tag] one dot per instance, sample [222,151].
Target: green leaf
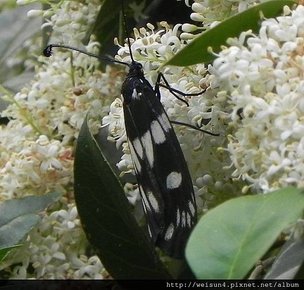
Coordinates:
[232,237]
[300,273]
[288,261]
[108,22]
[5,251]
[18,216]
[124,249]
[197,51]
[13,232]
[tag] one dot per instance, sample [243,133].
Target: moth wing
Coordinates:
[161,170]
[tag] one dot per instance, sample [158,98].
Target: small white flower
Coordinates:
[34,13]
[264,81]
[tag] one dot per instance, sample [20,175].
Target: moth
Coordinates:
[161,170]
[163,177]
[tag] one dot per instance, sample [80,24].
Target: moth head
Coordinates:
[136,69]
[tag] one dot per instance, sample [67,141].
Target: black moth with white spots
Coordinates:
[161,170]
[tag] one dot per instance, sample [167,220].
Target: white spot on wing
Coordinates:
[174,180]
[153,202]
[138,148]
[189,220]
[169,232]
[134,94]
[135,158]
[157,132]
[177,217]
[164,121]
[183,219]
[147,144]
[191,208]
[149,231]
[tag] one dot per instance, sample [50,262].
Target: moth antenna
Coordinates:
[126,29]
[48,52]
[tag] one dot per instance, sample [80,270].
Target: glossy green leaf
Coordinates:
[232,237]
[18,216]
[124,249]
[197,51]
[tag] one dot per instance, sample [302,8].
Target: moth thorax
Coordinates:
[136,69]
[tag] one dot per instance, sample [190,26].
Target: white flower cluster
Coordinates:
[39,166]
[56,249]
[78,15]
[207,13]
[263,83]
[37,148]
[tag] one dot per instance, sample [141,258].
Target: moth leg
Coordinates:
[176,93]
